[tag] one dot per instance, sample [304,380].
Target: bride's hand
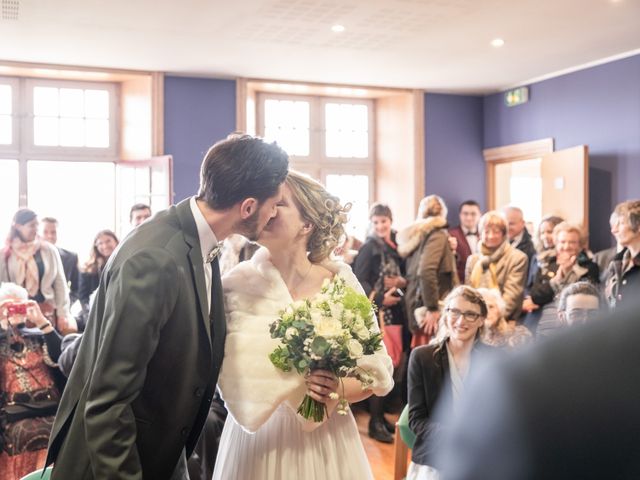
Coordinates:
[320,384]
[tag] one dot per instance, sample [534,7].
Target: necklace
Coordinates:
[299,282]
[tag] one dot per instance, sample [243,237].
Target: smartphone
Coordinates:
[398,292]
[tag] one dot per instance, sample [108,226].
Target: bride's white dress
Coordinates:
[263,437]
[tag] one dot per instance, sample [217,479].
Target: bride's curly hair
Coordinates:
[322,210]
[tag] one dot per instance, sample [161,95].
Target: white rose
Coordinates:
[355,348]
[359,323]
[328,327]
[362,333]
[290,333]
[336,310]
[316,316]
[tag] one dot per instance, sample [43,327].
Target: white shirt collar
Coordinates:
[208,240]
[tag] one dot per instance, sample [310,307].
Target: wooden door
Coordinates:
[565,184]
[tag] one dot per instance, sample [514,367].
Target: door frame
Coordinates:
[511,153]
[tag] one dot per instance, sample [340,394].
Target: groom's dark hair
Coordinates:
[240,167]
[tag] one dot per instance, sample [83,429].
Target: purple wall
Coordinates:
[197,113]
[454,166]
[599,107]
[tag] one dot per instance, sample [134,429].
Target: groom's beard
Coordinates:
[249,227]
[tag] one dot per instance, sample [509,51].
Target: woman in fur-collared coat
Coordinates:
[430,267]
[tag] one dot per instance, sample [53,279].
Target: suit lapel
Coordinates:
[190,233]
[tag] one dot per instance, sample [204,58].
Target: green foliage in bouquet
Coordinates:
[330,331]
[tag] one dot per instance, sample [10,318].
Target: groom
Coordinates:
[147,368]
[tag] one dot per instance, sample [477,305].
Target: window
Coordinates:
[329,139]
[8,194]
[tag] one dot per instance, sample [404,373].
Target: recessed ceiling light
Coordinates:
[497,42]
[338,28]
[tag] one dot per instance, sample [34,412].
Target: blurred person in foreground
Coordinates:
[567,408]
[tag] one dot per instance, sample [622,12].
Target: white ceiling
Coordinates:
[438,45]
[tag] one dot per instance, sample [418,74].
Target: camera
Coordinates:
[16,309]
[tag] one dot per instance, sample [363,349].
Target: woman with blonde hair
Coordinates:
[498,265]
[571,263]
[430,267]
[438,371]
[263,436]
[497,331]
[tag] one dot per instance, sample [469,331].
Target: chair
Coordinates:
[38,475]
[403,442]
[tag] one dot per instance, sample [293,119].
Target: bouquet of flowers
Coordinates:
[330,331]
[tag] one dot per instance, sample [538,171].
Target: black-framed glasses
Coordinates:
[581,315]
[468,315]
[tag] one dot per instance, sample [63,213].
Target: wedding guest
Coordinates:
[69,259]
[624,280]
[603,258]
[139,213]
[497,331]
[570,264]
[437,374]
[466,234]
[545,251]
[104,244]
[579,303]
[379,269]
[498,265]
[430,267]
[29,393]
[36,266]
[519,236]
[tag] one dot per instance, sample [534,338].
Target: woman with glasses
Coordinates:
[569,264]
[440,369]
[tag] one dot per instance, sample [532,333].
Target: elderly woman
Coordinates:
[439,370]
[624,279]
[103,246]
[498,265]
[379,269]
[545,250]
[430,266]
[497,331]
[28,391]
[570,264]
[36,266]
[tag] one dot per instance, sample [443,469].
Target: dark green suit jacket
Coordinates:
[141,387]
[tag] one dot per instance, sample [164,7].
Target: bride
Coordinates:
[264,437]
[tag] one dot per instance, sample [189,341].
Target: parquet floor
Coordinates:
[381,455]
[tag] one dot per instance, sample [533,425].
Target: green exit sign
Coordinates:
[516,96]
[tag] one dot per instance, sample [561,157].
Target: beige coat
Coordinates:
[511,274]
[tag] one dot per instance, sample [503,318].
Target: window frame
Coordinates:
[32,151]
[13,149]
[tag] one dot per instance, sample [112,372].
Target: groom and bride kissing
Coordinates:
[164,330]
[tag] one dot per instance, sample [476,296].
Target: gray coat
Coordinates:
[148,363]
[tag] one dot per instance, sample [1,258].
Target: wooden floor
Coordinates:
[380,454]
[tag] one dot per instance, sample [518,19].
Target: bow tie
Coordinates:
[471,233]
[213,253]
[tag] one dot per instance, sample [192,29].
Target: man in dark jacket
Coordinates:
[466,234]
[147,367]
[69,259]
[518,234]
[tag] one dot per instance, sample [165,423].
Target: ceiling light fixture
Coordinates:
[338,28]
[497,42]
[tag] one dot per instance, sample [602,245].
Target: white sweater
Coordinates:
[53,286]
[251,386]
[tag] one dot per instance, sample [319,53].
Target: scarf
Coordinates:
[484,272]
[26,272]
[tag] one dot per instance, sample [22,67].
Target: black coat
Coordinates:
[429,381]
[565,409]
[623,285]
[70,266]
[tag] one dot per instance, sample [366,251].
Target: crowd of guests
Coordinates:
[444,296]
